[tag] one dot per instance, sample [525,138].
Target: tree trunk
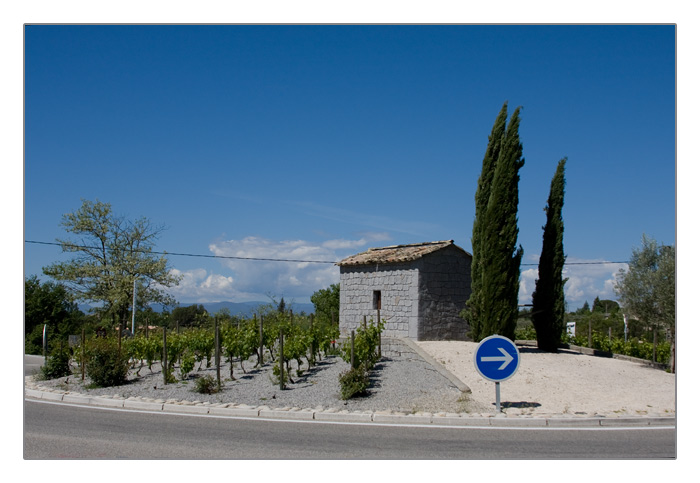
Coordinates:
[672,362]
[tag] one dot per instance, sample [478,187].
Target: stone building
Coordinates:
[419,289]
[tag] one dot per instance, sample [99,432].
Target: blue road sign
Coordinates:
[496,358]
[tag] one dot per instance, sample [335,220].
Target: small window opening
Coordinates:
[377,300]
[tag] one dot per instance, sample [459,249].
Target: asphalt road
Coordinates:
[58,431]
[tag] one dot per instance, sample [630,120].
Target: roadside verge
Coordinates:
[332,414]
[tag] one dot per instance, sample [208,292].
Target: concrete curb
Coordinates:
[438,367]
[107,402]
[345,416]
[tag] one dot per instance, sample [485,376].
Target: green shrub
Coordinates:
[366,344]
[275,378]
[201,341]
[57,364]
[632,348]
[106,365]
[354,382]
[187,364]
[663,352]
[297,343]
[526,333]
[206,385]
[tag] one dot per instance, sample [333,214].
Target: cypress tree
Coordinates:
[548,309]
[483,191]
[500,259]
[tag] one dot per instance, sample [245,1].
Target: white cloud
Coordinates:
[255,280]
[586,282]
[527,285]
[202,286]
[588,279]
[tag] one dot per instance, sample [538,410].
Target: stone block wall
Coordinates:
[444,287]
[398,284]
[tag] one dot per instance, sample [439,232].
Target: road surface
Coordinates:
[57,431]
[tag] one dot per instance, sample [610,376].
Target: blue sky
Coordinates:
[317,142]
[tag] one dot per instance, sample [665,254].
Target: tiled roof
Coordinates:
[395,254]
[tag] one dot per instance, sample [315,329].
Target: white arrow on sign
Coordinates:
[505,358]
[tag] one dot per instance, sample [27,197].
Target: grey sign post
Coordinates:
[497,359]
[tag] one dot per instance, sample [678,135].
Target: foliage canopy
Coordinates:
[493,304]
[647,289]
[112,253]
[548,306]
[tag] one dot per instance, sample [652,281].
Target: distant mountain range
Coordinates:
[243,309]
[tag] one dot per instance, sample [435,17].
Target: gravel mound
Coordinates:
[402,382]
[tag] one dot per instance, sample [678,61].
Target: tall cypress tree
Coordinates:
[500,259]
[483,191]
[548,307]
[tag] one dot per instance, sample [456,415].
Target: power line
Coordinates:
[578,263]
[186,254]
[267,259]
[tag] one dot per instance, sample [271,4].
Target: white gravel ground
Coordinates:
[545,385]
[403,383]
[566,383]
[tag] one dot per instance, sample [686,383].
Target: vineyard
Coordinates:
[288,345]
[641,349]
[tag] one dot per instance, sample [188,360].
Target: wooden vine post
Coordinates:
[165,356]
[82,357]
[281,359]
[260,354]
[352,349]
[379,349]
[217,353]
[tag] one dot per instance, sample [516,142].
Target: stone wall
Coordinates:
[398,284]
[444,287]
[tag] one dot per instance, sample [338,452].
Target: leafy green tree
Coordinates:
[605,306]
[600,323]
[500,258]
[111,253]
[473,312]
[327,303]
[647,289]
[548,307]
[281,307]
[48,303]
[150,317]
[584,309]
[188,316]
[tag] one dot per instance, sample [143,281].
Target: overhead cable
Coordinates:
[264,259]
